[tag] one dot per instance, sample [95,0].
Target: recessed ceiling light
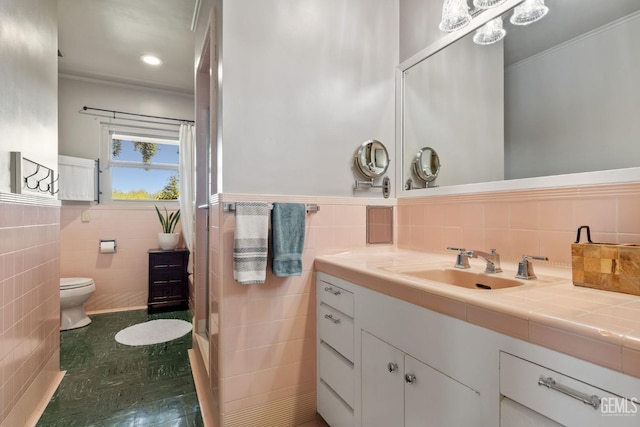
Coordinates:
[151,60]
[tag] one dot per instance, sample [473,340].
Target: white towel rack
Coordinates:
[310,207]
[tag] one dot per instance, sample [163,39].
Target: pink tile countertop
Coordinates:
[601,327]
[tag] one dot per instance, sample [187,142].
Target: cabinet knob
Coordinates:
[392,367]
[410,378]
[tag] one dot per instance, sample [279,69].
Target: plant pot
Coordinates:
[168,241]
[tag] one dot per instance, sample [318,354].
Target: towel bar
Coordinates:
[311,207]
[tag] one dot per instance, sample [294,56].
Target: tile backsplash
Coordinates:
[532,222]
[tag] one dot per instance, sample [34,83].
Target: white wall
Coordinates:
[419,20]
[575,108]
[304,84]
[79,134]
[28,72]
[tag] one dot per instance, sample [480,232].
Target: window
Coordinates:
[142,167]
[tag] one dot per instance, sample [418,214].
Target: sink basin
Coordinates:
[463,278]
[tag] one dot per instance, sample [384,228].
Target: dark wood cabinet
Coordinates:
[168,280]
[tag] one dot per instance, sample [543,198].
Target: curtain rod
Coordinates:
[114,112]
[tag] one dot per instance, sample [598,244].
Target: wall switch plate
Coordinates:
[85,216]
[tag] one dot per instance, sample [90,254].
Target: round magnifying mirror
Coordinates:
[426,164]
[372,159]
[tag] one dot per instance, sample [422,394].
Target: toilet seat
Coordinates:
[75,282]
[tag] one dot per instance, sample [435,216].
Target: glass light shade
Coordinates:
[487,4]
[489,33]
[529,12]
[455,15]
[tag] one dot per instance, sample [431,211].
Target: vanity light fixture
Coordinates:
[455,15]
[151,60]
[489,33]
[487,4]
[529,12]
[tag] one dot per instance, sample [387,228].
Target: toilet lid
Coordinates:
[75,282]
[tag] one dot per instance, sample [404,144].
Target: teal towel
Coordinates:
[287,226]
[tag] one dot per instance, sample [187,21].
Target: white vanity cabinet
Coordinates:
[335,352]
[389,363]
[399,390]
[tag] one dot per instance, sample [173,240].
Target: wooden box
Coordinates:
[610,267]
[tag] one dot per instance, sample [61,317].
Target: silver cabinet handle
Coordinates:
[410,378]
[333,319]
[331,290]
[550,383]
[392,367]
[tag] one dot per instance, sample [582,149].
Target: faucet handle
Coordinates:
[451,248]
[525,267]
[462,259]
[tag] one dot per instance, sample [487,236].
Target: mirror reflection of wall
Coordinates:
[446,99]
[379,224]
[570,96]
[573,108]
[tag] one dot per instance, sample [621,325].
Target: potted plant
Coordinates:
[168,240]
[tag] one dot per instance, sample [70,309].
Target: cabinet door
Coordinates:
[513,414]
[434,399]
[382,383]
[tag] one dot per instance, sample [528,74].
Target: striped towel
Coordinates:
[251,242]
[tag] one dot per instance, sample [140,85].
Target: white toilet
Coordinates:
[74,292]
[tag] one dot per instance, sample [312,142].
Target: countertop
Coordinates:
[598,326]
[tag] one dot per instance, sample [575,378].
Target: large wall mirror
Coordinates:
[556,97]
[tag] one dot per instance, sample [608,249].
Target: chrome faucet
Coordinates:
[525,267]
[462,259]
[492,258]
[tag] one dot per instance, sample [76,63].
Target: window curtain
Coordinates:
[186,169]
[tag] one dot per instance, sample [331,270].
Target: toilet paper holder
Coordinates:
[107,246]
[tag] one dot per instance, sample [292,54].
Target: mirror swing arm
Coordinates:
[386,185]
[372,161]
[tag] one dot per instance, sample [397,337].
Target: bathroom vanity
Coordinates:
[398,350]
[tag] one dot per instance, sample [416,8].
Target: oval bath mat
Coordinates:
[153,332]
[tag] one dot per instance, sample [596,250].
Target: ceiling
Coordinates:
[104,39]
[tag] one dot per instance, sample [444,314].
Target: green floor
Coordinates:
[110,384]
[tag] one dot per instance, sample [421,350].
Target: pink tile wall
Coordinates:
[29,297]
[534,222]
[266,347]
[121,278]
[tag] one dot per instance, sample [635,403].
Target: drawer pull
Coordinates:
[550,383]
[392,367]
[410,378]
[333,319]
[331,290]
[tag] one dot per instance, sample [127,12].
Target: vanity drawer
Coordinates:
[336,297]
[336,371]
[332,407]
[519,381]
[336,329]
